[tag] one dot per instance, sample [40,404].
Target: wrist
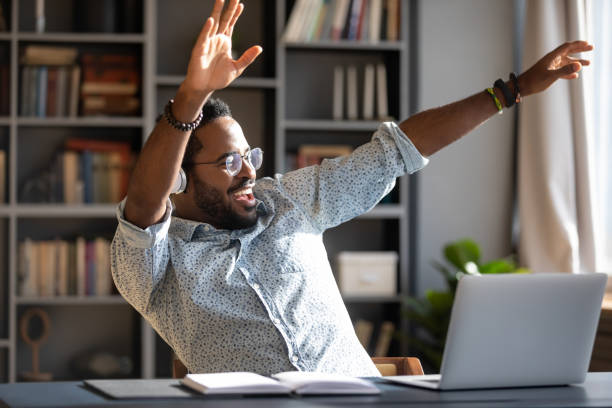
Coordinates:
[188,103]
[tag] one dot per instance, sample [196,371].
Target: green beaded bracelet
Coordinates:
[498,104]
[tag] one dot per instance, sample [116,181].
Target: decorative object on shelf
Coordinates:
[432,313]
[101,364]
[367,273]
[24,324]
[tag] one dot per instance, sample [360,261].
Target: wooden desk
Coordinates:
[602,350]
[596,391]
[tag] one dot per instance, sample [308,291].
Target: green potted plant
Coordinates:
[430,315]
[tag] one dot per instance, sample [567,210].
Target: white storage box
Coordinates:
[367,273]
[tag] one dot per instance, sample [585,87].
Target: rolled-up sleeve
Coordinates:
[342,188]
[139,257]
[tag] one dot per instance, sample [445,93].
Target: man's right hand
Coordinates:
[211,66]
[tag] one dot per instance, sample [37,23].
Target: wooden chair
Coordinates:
[386,365]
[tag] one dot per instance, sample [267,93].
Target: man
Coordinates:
[238,278]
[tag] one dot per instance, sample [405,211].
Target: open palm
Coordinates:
[555,65]
[211,66]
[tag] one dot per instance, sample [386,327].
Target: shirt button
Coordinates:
[294,358]
[255,286]
[276,321]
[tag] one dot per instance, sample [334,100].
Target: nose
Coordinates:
[247,169]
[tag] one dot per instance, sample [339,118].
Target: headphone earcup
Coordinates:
[180,184]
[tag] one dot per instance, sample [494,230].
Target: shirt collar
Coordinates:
[188,230]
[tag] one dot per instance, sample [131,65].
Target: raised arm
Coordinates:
[433,129]
[210,68]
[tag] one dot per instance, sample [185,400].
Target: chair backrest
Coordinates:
[386,366]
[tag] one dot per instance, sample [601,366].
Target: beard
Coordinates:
[215,205]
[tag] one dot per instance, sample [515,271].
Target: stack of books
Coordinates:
[353,20]
[49,81]
[111,84]
[62,268]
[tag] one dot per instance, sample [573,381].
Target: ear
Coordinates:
[180,184]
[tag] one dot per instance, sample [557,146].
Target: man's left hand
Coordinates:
[557,64]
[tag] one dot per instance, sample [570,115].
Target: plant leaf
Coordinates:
[460,252]
[498,266]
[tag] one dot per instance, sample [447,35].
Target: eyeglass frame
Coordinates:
[243,157]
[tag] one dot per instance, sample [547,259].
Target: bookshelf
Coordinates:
[277,113]
[305,108]
[78,323]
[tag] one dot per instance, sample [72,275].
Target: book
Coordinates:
[393,12]
[48,55]
[351,92]
[353,19]
[80,267]
[302,383]
[309,155]
[338,101]
[73,91]
[364,330]
[352,97]
[110,84]
[384,339]
[70,176]
[368,92]
[340,16]
[295,20]
[381,92]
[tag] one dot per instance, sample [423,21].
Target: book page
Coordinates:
[324,383]
[234,383]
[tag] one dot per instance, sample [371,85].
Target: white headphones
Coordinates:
[180,183]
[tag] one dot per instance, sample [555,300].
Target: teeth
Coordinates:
[247,190]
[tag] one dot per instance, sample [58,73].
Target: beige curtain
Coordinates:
[555,173]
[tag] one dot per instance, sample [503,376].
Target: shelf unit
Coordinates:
[261,100]
[22,138]
[305,113]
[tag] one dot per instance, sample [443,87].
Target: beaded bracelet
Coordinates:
[182,126]
[501,85]
[498,104]
[517,91]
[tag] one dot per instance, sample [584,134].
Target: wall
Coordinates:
[466,190]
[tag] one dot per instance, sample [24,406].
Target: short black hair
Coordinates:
[213,108]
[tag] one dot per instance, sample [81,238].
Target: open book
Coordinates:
[282,383]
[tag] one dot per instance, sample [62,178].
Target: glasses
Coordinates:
[233,161]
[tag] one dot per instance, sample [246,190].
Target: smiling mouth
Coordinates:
[244,195]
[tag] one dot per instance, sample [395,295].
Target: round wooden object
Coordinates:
[24,323]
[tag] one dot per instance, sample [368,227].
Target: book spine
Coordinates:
[338,101]
[41,91]
[368,92]
[351,94]
[381,92]
[81,268]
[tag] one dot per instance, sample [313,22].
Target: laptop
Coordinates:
[518,330]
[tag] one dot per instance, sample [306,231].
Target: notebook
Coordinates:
[282,383]
[518,330]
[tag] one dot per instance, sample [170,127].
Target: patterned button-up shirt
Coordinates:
[262,299]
